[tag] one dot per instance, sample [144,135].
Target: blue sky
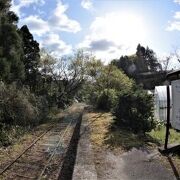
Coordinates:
[108,28]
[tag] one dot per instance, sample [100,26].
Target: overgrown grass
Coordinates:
[104,134]
[100,124]
[159,134]
[9,134]
[127,140]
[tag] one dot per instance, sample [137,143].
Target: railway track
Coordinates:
[44,157]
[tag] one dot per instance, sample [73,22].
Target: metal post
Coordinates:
[168,118]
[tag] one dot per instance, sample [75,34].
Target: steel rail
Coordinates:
[9,165]
[50,158]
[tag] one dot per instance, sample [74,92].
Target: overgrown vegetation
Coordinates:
[107,99]
[159,134]
[135,111]
[103,134]
[9,134]
[33,81]
[143,67]
[110,89]
[103,85]
[18,107]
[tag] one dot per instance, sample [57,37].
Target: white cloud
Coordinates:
[36,25]
[115,34]
[48,38]
[18,5]
[87,4]
[24,3]
[177,1]
[177,15]
[47,30]
[55,45]
[175,24]
[60,21]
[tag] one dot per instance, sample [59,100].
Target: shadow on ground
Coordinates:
[137,162]
[121,137]
[171,159]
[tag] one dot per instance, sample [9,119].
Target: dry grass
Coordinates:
[103,134]
[7,154]
[100,124]
[121,140]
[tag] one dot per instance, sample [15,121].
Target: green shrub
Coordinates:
[43,108]
[20,107]
[107,99]
[134,111]
[9,134]
[19,110]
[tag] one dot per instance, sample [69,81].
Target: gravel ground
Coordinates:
[132,165]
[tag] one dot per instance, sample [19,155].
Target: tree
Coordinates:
[148,59]
[134,111]
[11,52]
[140,60]
[31,57]
[63,78]
[165,61]
[125,63]
[46,76]
[107,82]
[73,73]
[112,78]
[110,84]
[93,67]
[143,67]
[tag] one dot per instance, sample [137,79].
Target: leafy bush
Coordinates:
[9,134]
[107,99]
[20,107]
[43,107]
[134,111]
